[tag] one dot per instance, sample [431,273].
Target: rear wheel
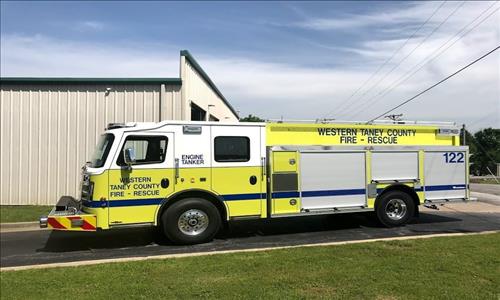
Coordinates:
[395,208]
[191,221]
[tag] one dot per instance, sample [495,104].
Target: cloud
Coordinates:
[40,55]
[353,21]
[84,26]
[400,20]
[272,90]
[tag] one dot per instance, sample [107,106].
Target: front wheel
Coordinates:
[191,221]
[395,208]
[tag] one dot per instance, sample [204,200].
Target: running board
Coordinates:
[444,201]
[325,211]
[134,225]
[250,217]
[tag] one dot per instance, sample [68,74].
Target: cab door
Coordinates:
[136,190]
[238,174]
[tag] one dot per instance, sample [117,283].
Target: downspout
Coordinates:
[162,97]
[183,88]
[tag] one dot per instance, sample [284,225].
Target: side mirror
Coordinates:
[129,156]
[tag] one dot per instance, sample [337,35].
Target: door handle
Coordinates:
[176,169]
[263,166]
[165,183]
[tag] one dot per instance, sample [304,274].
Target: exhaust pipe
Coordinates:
[44,222]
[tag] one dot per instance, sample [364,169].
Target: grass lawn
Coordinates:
[22,213]
[465,267]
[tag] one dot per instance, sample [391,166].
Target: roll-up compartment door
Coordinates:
[445,174]
[394,165]
[332,179]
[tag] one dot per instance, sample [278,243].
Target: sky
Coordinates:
[290,60]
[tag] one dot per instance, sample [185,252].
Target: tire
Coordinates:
[191,221]
[395,208]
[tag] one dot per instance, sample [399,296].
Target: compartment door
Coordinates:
[332,179]
[237,169]
[285,194]
[445,174]
[394,165]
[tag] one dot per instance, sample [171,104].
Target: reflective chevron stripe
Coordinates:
[76,223]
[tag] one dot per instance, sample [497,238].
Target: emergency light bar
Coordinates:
[448,131]
[119,125]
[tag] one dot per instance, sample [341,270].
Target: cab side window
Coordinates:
[147,149]
[232,149]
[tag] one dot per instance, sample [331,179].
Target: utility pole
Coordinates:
[463,134]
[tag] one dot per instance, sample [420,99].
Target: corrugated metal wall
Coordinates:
[47,132]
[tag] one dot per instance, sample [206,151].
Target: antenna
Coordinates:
[395,117]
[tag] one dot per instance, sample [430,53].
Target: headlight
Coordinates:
[87,188]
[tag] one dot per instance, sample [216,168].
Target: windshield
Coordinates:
[101,150]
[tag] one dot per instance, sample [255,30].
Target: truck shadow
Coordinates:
[286,230]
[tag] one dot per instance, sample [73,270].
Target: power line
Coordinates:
[436,84]
[485,118]
[413,50]
[386,61]
[426,60]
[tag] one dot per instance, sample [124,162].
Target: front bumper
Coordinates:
[66,215]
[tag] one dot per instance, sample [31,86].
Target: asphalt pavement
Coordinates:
[43,246]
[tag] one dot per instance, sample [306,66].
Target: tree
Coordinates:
[484,146]
[252,118]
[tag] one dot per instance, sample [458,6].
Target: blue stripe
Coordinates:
[333,193]
[322,193]
[254,196]
[285,194]
[122,203]
[420,189]
[445,187]
[243,196]
[135,202]
[94,204]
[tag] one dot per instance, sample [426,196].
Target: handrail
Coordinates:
[388,122]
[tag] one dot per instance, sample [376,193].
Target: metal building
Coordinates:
[49,126]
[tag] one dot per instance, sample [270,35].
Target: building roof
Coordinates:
[121,80]
[207,79]
[87,80]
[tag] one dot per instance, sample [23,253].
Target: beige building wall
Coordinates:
[48,132]
[50,126]
[171,102]
[199,89]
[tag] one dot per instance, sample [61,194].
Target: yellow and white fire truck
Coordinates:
[188,178]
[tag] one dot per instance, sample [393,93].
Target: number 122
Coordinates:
[453,157]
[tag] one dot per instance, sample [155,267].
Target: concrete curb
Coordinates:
[180,255]
[19,226]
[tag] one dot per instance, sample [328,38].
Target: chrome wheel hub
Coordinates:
[193,222]
[395,209]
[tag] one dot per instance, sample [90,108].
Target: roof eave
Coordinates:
[87,80]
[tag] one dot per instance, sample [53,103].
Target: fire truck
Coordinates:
[190,178]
